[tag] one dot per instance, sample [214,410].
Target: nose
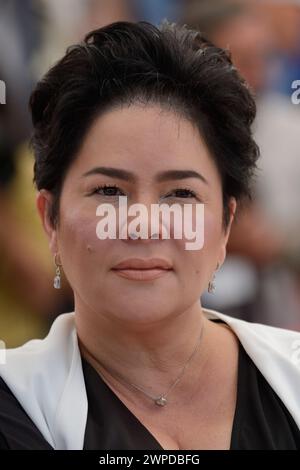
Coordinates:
[141,224]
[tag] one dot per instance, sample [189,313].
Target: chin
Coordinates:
[142,312]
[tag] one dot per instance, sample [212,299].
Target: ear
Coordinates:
[44,201]
[232,205]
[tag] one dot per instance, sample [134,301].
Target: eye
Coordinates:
[107,190]
[183,193]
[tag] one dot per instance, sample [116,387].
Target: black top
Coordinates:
[261,420]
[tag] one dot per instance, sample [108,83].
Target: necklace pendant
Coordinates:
[161,401]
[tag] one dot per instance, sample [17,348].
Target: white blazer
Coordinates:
[47,379]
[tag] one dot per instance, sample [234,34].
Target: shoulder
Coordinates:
[29,373]
[17,431]
[288,341]
[275,352]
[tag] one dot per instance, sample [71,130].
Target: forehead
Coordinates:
[144,139]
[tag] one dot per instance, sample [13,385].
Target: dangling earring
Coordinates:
[211,285]
[57,279]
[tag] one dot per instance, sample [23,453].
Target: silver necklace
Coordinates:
[161,400]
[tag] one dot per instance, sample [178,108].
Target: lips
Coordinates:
[141,264]
[143,269]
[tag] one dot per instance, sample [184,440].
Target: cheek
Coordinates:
[212,232]
[198,264]
[81,250]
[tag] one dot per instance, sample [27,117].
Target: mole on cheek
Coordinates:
[89,248]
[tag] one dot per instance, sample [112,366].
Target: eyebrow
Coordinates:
[160,177]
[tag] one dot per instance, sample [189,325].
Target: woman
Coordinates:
[156,116]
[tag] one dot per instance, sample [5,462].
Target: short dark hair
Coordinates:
[124,62]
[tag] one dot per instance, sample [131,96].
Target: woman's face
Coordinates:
[143,141]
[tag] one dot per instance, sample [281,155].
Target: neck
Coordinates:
[150,355]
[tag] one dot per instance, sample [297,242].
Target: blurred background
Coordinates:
[260,279]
